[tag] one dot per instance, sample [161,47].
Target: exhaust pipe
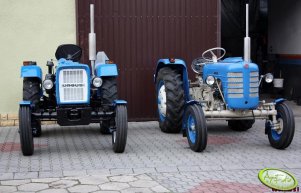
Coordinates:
[247,39]
[92,40]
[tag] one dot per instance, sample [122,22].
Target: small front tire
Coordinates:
[25,129]
[119,136]
[282,138]
[196,128]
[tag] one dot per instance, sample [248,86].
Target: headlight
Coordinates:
[48,84]
[97,82]
[269,78]
[210,80]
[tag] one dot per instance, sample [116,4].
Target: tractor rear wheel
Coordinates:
[282,138]
[36,128]
[170,99]
[240,125]
[105,127]
[119,136]
[31,90]
[196,128]
[25,130]
[108,95]
[109,90]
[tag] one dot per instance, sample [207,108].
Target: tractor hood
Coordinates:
[239,81]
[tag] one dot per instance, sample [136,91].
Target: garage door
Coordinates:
[136,33]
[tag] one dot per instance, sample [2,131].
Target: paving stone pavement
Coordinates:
[80,159]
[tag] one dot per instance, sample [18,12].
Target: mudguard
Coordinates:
[31,71]
[106,70]
[120,102]
[280,100]
[25,103]
[177,63]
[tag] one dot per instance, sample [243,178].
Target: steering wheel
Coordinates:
[197,65]
[213,58]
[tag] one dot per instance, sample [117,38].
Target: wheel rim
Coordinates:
[276,134]
[161,100]
[191,129]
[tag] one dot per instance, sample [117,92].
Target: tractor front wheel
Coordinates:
[282,137]
[196,128]
[119,136]
[170,99]
[25,130]
[240,125]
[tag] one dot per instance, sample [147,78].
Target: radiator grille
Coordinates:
[254,81]
[73,85]
[235,84]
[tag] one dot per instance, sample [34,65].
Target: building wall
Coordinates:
[30,30]
[284,27]
[135,34]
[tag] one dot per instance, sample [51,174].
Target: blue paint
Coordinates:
[220,69]
[106,70]
[180,64]
[25,103]
[68,64]
[120,102]
[280,100]
[161,116]
[191,127]
[31,71]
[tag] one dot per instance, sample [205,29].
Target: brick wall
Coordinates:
[13,120]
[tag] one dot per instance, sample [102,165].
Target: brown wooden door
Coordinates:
[136,33]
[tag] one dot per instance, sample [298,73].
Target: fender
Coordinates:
[106,70]
[31,71]
[179,64]
[25,103]
[279,101]
[120,102]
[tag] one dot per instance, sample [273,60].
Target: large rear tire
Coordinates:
[105,127]
[240,125]
[170,98]
[109,90]
[108,95]
[25,129]
[196,128]
[31,90]
[282,138]
[119,136]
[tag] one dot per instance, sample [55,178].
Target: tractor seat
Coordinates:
[69,52]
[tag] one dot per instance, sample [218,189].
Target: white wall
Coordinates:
[30,30]
[285,27]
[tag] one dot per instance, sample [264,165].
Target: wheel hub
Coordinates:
[162,100]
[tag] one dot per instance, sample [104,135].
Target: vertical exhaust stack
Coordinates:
[92,40]
[247,39]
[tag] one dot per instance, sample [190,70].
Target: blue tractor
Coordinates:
[225,89]
[72,94]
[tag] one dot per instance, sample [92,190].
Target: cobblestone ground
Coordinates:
[80,159]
